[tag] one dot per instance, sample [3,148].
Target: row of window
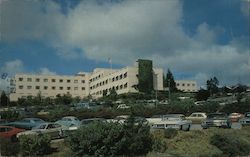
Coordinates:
[118,87]
[183,84]
[52,80]
[111,80]
[53,88]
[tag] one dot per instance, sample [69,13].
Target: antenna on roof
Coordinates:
[110,62]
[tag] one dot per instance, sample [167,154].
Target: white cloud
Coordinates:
[126,31]
[12,67]
[46,71]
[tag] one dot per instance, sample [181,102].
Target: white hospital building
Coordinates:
[82,84]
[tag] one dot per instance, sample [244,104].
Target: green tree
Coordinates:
[145,76]
[202,94]
[169,81]
[212,85]
[111,139]
[4,100]
[112,95]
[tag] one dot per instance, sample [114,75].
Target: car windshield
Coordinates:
[247,115]
[217,115]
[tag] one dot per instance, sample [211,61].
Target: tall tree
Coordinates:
[4,99]
[212,85]
[169,81]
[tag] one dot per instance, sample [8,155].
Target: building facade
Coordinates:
[50,85]
[186,85]
[97,83]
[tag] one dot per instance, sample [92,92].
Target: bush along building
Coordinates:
[141,77]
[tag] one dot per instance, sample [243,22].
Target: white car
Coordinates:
[123,106]
[52,129]
[175,121]
[246,120]
[197,117]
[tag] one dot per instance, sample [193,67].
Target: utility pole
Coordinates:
[169,90]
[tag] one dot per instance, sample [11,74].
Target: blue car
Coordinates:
[69,121]
[26,123]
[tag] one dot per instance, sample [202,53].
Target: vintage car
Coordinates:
[10,132]
[69,121]
[246,120]
[235,117]
[216,120]
[54,130]
[175,121]
[197,117]
[26,123]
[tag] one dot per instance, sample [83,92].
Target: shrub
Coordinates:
[111,139]
[170,133]
[230,144]
[159,145]
[7,148]
[32,145]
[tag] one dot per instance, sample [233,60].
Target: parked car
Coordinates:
[216,120]
[10,132]
[197,117]
[85,122]
[154,119]
[246,120]
[175,121]
[123,106]
[69,121]
[54,130]
[235,117]
[26,123]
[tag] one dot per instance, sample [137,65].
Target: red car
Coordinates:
[9,132]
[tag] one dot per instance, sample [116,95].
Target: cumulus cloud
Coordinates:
[46,71]
[125,31]
[10,67]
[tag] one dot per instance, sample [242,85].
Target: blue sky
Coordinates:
[196,39]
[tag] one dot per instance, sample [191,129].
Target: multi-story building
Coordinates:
[50,85]
[96,83]
[122,81]
[186,85]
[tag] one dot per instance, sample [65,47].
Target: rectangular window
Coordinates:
[68,81]
[83,81]
[125,85]
[83,88]
[188,84]
[75,88]
[20,79]
[53,80]
[120,77]
[53,88]
[29,87]
[45,80]
[37,80]
[20,87]
[61,88]
[75,81]
[61,80]
[68,88]
[45,87]
[125,75]
[183,84]
[29,79]
[37,87]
